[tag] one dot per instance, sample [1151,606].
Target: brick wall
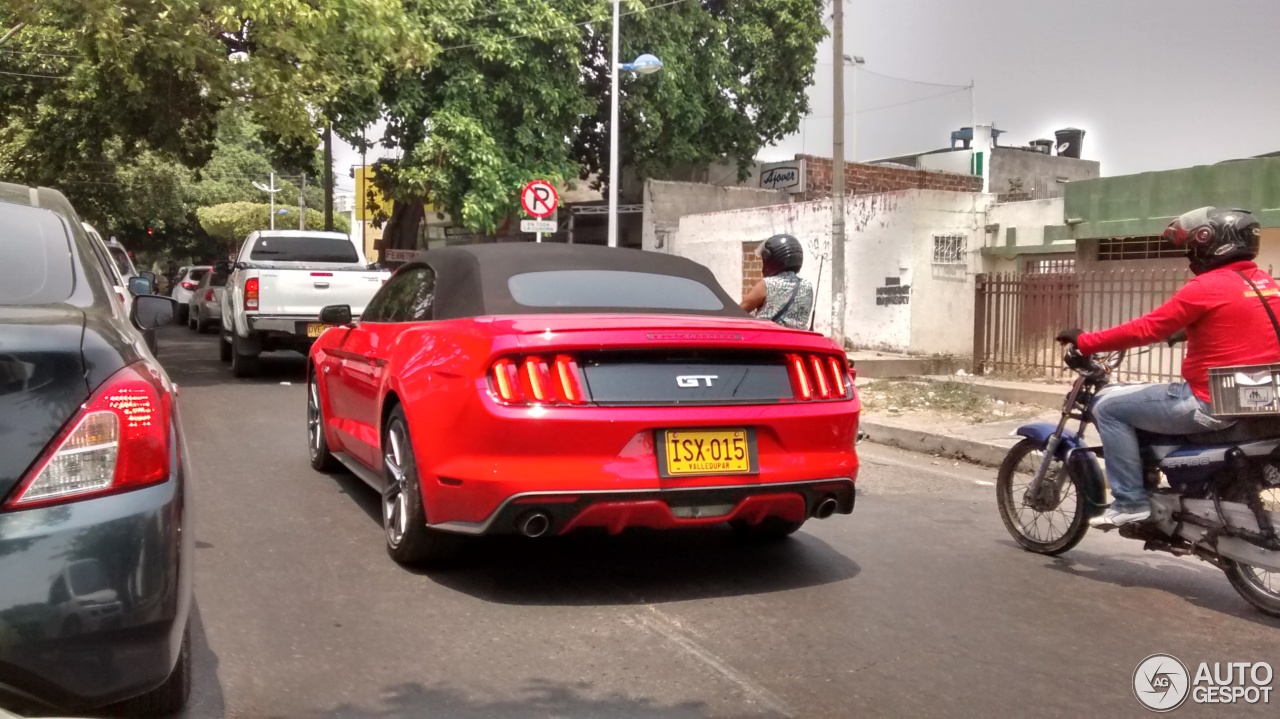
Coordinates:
[862,179]
[752,269]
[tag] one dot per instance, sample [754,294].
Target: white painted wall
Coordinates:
[882,232]
[1030,218]
[943,294]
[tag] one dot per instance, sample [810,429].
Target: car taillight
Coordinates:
[817,377]
[188,285]
[117,441]
[208,295]
[251,293]
[534,380]
[120,297]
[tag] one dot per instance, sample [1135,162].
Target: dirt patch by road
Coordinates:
[951,398]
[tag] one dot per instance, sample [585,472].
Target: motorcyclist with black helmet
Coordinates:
[782,296]
[1226,324]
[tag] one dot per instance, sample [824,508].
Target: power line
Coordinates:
[565,27]
[37,53]
[896,104]
[914,82]
[912,102]
[27,74]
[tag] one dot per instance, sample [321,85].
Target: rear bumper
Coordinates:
[664,509]
[281,324]
[476,467]
[67,651]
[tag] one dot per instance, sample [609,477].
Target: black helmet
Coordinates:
[1215,237]
[780,253]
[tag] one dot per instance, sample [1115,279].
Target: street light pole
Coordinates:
[613,133]
[837,175]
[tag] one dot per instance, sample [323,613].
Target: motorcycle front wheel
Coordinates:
[1052,532]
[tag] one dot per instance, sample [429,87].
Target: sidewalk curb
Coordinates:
[914,440]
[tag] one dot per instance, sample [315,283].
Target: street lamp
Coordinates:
[643,65]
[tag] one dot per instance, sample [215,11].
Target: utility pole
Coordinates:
[271,191]
[837,175]
[302,204]
[328,176]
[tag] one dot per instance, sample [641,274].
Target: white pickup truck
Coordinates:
[279,282]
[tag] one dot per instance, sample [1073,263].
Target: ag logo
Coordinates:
[1161,683]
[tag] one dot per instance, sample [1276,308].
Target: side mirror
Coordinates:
[152,311]
[339,315]
[238,266]
[151,276]
[139,285]
[222,267]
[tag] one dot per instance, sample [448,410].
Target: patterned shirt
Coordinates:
[778,290]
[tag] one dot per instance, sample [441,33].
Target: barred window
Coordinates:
[948,249]
[1064,266]
[1138,248]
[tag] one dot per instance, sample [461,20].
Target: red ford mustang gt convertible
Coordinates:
[539,388]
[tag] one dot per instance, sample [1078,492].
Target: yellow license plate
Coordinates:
[314,330]
[686,452]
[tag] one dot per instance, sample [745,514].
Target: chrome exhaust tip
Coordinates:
[533,524]
[826,507]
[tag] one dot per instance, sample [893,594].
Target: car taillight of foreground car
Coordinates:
[118,441]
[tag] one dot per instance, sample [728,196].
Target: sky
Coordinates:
[1155,84]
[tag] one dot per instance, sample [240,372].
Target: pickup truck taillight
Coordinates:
[118,441]
[251,293]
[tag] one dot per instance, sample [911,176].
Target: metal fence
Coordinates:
[1016,317]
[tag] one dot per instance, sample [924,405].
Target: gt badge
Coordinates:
[696,380]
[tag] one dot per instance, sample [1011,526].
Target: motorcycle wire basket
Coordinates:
[1245,390]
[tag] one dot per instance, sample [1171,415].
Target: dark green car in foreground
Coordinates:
[95,551]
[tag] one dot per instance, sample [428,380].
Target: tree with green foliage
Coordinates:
[520,89]
[231,222]
[90,88]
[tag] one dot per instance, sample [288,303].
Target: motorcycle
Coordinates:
[1214,495]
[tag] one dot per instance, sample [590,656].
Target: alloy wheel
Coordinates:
[395,498]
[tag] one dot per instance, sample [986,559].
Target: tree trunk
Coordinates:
[401,231]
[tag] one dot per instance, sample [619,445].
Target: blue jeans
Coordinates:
[1120,410]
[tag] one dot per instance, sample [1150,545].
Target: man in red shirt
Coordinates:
[1226,324]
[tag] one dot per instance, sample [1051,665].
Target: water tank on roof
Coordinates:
[1070,141]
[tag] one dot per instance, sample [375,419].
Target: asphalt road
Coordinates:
[917,605]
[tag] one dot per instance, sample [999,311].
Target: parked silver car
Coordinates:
[184,286]
[204,309]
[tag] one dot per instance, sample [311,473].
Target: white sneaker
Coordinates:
[1113,518]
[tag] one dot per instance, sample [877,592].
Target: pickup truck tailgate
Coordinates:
[305,292]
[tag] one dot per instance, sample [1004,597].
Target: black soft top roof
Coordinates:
[472,280]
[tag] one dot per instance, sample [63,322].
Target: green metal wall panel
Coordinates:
[1144,204]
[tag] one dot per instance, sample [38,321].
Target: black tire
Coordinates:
[322,460]
[224,347]
[184,314]
[404,520]
[168,698]
[771,528]
[243,364]
[202,325]
[1075,526]
[1262,593]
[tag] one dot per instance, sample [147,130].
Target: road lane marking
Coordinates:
[669,629]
